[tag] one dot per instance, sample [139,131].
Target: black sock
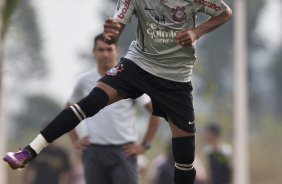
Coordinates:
[70,117]
[63,123]
[33,153]
[183,149]
[184,177]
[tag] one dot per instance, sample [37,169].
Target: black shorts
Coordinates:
[171,100]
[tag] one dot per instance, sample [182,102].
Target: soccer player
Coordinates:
[159,63]
[110,149]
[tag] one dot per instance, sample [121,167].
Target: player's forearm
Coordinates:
[119,34]
[73,136]
[112,32]
[213,23]
[152,129]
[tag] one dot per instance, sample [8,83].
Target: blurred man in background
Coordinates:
[218,154]
[109,144]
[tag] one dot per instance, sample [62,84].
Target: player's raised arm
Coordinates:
[113,27]
[213,23]
[219,12]
[112,30]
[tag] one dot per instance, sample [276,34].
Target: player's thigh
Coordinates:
[126,171]
[112,93]
[177,132]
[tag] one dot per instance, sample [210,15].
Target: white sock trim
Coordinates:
[76,113]
[39,143]
[80,111]
[184,167]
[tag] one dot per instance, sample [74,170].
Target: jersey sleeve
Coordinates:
[143,100]
[210,7]
[124,11]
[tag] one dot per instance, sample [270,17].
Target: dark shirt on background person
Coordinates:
[50,167]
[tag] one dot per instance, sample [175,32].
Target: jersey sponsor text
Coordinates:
[208,4]
[124,9]
[159,34]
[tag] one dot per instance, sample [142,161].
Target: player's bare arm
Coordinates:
[112,30]
[187,37]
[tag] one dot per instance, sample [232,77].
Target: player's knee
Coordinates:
[96,100]
[183,150]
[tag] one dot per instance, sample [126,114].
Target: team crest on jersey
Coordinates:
[178,14]
[115,70]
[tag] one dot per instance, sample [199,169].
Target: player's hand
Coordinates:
[133,149]
[81,144]
[186,37]
[112,30]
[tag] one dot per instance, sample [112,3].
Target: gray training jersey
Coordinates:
[155,50]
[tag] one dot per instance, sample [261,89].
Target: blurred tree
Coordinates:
[23,41]
[214,70]
[38,110]
[276,76]
[10,6]
[23,58]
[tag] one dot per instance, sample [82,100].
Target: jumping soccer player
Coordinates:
[159,63]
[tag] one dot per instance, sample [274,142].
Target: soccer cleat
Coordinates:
[18,160]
